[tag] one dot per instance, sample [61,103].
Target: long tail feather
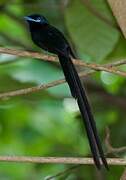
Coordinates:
[90,116]
[78,93]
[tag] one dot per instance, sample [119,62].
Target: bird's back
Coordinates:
[50,39]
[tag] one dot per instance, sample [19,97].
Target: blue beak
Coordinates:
[27,18]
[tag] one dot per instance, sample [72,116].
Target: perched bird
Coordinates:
[52,40]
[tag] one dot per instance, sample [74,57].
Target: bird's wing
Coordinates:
[58,42]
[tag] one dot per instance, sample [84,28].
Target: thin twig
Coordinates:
[110,148]
[117,63]
[63,172]
[59,160]
[36,88]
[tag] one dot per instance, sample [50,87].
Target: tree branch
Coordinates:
[36,88]
[107,67]
[97,67]
[59,160]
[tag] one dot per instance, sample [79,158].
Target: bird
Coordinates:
[49,38]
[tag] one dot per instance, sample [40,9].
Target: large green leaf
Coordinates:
[94,39]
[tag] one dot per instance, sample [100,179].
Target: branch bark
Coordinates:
[59,160]
[36,88]
[107,67]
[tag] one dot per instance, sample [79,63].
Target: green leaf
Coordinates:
[93,38]
[119,51]
[40,73]
[103,9]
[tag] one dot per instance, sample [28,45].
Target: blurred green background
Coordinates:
[48,123]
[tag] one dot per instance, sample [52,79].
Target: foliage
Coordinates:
[44,123]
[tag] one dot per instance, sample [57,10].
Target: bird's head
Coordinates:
[36,19]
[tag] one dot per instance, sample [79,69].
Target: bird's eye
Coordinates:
[38,19]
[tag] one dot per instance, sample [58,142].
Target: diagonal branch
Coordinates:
[36,88]
[107,67]
[95,67]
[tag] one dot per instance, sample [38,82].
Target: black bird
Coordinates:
[52,40]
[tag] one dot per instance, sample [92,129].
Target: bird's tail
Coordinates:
[78,92]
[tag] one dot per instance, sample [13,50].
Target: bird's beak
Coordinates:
[27,18]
